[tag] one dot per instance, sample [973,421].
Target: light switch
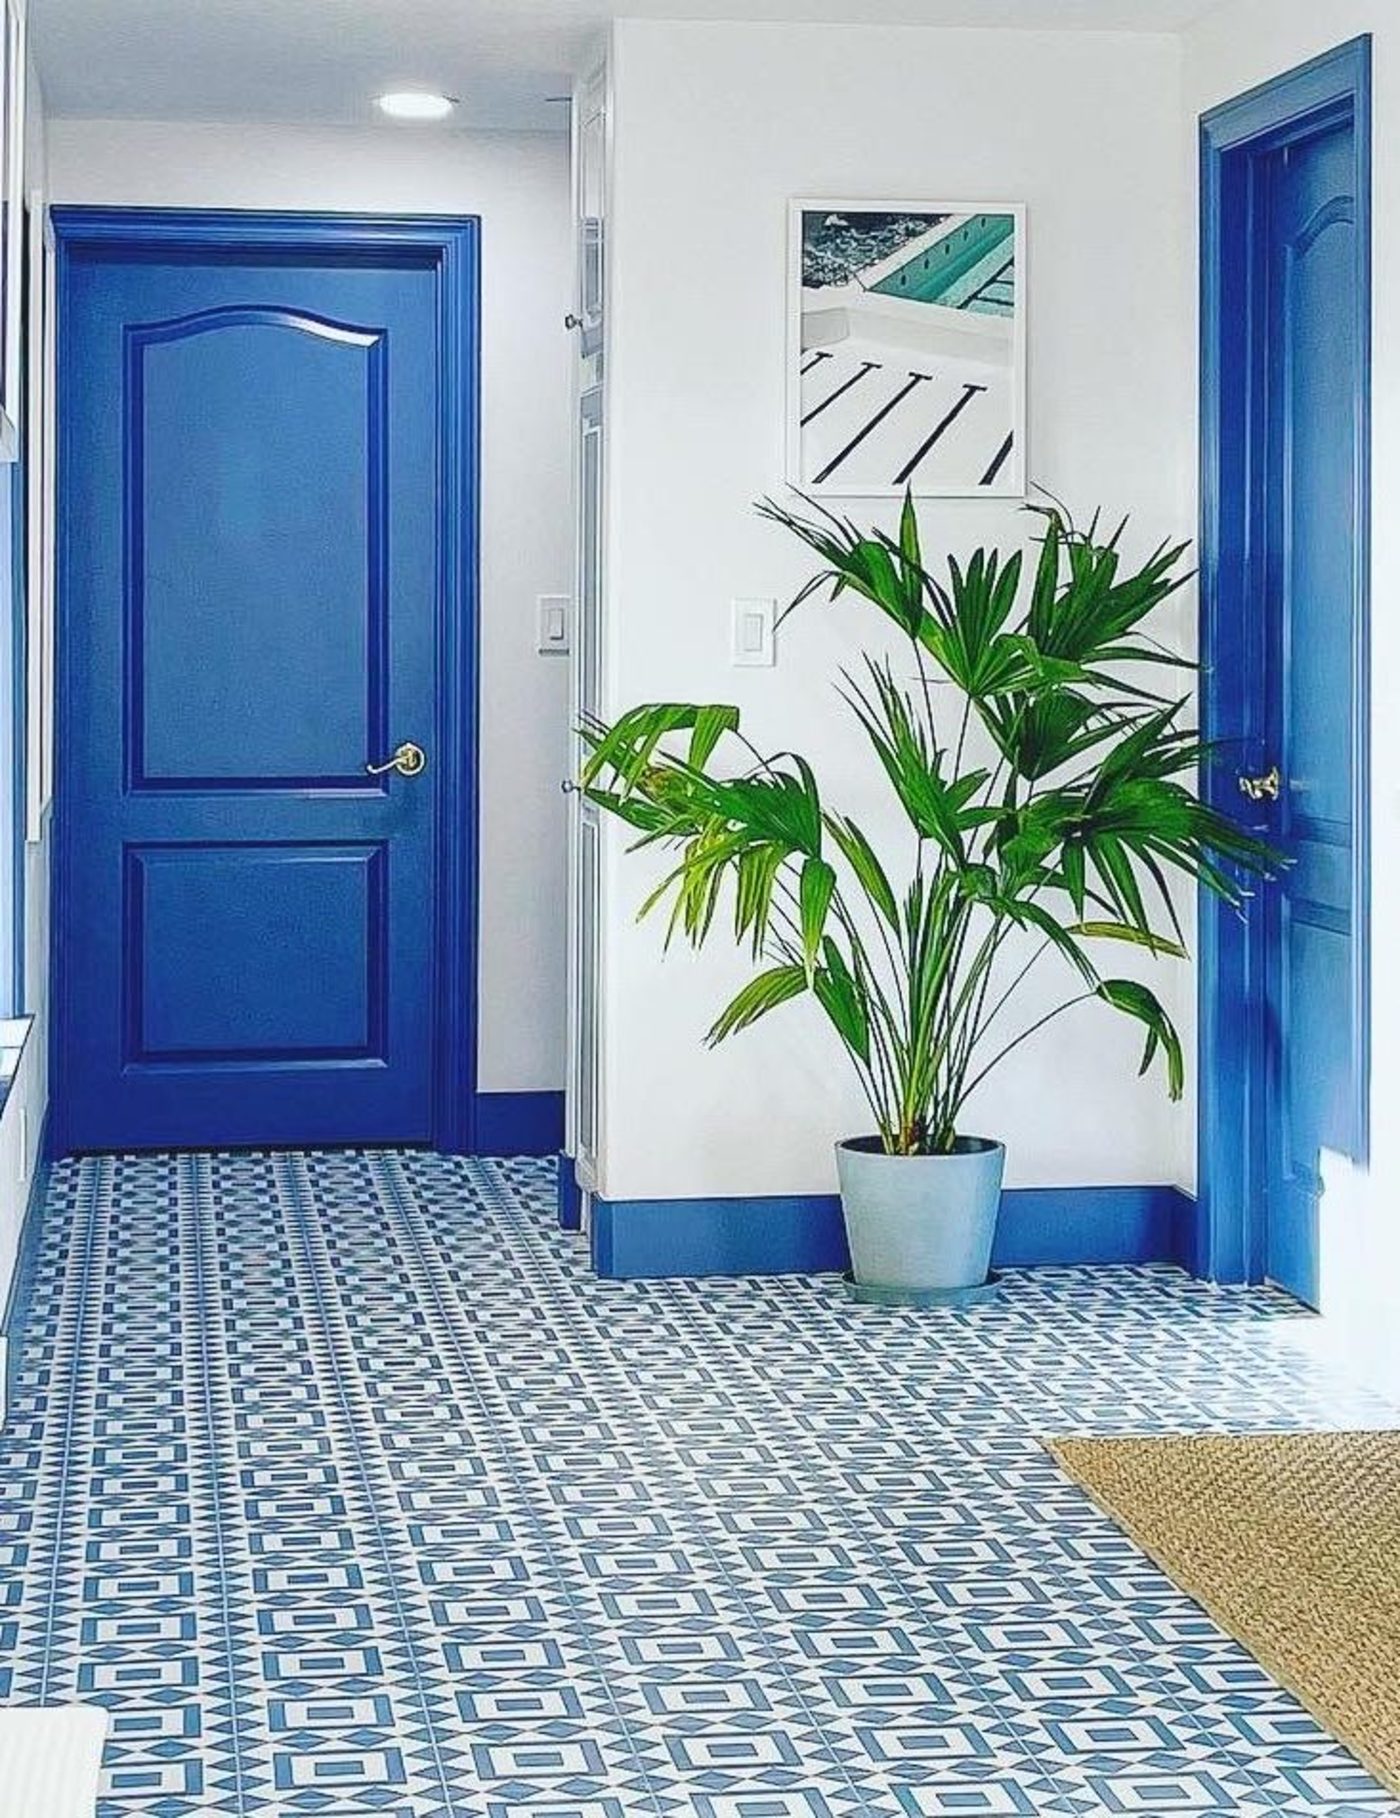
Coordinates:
[552,624]
[753,627]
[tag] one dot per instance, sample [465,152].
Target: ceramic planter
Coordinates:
[920,1227]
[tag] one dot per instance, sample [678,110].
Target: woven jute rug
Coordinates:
[1291,1541]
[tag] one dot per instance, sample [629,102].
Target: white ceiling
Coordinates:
[322,61]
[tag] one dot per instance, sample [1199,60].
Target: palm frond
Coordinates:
[1073,837]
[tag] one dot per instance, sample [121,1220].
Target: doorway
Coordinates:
[264,927]
[1286,305]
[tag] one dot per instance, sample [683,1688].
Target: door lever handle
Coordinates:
[1262,788]
[408,760]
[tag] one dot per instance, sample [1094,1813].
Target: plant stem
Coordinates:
[1024,1036]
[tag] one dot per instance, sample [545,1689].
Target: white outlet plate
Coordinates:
[553,612]
[753,633]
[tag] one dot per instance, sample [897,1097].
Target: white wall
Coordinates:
[715,128]
[1243,43]
[26,1105]
[518,184]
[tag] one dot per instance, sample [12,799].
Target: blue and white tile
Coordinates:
[352,1494]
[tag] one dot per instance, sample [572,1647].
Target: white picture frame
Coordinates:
[40,524]
[906,348]
[12,147]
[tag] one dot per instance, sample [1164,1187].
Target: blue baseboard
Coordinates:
[804,1234]
[519,1123]
[1147,1224]
[570,1195]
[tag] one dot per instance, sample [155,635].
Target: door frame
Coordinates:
[1232,1046]
[450,246]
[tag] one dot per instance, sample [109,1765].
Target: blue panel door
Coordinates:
[251,562]
[1307,431]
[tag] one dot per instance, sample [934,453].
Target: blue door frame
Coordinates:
[1331,89]
[451,248]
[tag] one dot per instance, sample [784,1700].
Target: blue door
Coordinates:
[253,540]
[1309,687]
[1285,647]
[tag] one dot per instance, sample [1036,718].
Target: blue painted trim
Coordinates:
[519,1123]
[450,246]
[1228,1244]
[16,782]
[568,1194]
[804,1234]
[1072,1225]
[1361,653]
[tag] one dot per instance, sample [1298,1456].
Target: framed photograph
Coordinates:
[40,530]
[907,349]
[12,60]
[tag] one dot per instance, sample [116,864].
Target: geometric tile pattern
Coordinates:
[351,1493]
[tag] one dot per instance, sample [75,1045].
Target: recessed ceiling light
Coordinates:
[415,104]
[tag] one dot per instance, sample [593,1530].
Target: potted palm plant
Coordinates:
[1042,784]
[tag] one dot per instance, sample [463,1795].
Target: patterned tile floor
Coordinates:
[346,1488]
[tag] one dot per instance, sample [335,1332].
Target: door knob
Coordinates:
[1262,788]
[408,760]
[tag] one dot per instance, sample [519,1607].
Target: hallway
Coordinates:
[348,1490]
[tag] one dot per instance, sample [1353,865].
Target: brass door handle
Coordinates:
[1262,788]
[408,760]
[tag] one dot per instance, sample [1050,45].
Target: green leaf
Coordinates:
[711,724]
[1072,870]
[1121,931]
[937,808]
[818,884]
[843,1000]
[635,810]
[776,807]
[1043,733]
[909,532]
[978,884]
[630,744]
[762,993]
[1035,915]
[1093,615]
[1137,1001]
[859,854]
[756,873]
[886,573]
[1046,583]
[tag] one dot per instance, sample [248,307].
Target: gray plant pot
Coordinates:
[920,1227]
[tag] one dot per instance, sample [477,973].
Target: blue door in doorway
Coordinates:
[1309,685]
[252,551]
[1285,647]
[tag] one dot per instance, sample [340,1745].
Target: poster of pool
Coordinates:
[907,349]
